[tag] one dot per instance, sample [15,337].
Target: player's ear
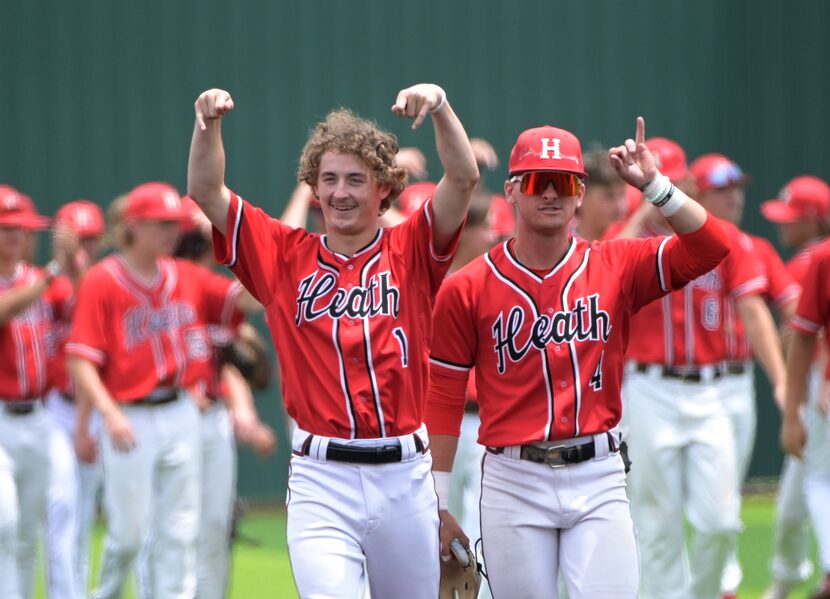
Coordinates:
[508,191]
[581,194]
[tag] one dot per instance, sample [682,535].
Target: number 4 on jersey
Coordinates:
[596,379]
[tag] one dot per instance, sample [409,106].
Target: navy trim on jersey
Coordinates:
[344,379]
[367,346]
[572,344]
[363,250]
[321,262]
[515,260]
[451,365]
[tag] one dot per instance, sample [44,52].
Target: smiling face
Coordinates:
[349,194]
[545,213]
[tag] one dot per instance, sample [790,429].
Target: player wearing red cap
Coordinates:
[720,183]
[680,437]
[349,314]
[28,307]
[138,343]
[605,199]
[800,213]
[544,319]
[74,483]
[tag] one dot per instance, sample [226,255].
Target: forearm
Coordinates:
[689,217]
[763,337]
[443,448]
[799,360]
[14,301]
[206,173]
[88,385]
[238,397]
[83,407]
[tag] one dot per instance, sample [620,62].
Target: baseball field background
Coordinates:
[98,97]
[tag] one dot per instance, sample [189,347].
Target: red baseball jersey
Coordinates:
[547,348]
[144,335]
[24,339]
[686,328]
[781,289]
[352,333]
[60,293]
[813,313]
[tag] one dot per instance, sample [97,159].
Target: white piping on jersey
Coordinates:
[237,223]
[805,324]
[22,375]
[230,303]
[450,366]
[542,352]
[368,248]
[748,287]
[663,286]
[562,261]
[328,268]
[116,270]
[85,351]
[668,328]
[344,385]
[174,334]
[367,341]
[790,292]
[432,251]
[689,318]
[572,344]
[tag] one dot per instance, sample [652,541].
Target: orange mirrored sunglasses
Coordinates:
[536,182]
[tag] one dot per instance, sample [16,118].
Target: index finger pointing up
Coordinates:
[640,137]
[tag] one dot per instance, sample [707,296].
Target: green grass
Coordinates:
[261,569]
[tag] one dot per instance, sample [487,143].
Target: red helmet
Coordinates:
[671,159]
[714,171]
[413,196]
[83,217]
[546,149]
[803,197]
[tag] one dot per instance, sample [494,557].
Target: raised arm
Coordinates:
[452,196]
[636,165]
[206,166]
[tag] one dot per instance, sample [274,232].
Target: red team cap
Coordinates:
[671,158]
[413,196]
[716,171]
[803,197]
[192,214]
[83,217]
[154,201]
[18,210]
[546,149]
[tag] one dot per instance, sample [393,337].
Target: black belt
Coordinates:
[67,397]
[736,368]
[157,400]
[555,455]
[471,407]
[687,375]
[20,408]
[382,454]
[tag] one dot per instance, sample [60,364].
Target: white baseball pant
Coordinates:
[72,504]
[24,480]
[153,489]
[738,395]
[356,525]
[538,522]
[817,474]
[683,458]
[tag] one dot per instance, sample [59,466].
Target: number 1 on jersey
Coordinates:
[596,379]
[401,337]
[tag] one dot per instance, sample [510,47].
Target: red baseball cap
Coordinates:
[413,196]
[18,210]
[671,158]
[502,217]
[154,201]
[715,171]
[83,217]
[546,149]
[802,198]
[192,213]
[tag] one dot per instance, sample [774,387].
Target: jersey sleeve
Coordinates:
[813,310]
[414,240]
[89,338]
[255,248]
[452,355]
[743,271]
[782,287]
[60,297]
[220,296]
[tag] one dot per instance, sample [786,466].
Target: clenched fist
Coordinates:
[212,104]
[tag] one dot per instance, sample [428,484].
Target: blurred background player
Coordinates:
[28,309]
[680,438]
[800,214]
[605,200]
[720,183]
[74,483]
[138,345]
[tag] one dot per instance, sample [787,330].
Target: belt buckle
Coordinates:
[555,456]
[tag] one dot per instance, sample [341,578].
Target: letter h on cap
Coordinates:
[550,150]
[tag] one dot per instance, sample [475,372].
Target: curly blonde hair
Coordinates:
[344,132]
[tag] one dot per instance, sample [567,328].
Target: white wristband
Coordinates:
[443,101]
[657,188]
[672,202]
[442,488]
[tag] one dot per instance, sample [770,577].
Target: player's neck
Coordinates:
[143,265]
[541,251]
[348,244]
[589,232]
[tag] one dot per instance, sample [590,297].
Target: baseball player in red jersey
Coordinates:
[73,484]
[138,343]
[544,319]
[680,437]
[29,305]
[720,183]
[812,316]
[350,316]
[800,213]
